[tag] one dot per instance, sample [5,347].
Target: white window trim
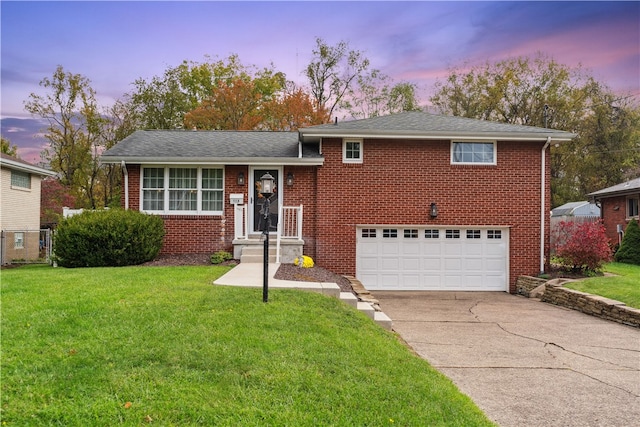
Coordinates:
[344,150]
[166,190]
[495,153]
[628,213]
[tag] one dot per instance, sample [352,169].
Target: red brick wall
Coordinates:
[395,184]
[303,192]
[398,180]
[192,233]
[614,212]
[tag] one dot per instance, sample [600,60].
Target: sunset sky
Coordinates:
[115,43]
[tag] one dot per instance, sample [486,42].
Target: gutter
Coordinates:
[126,185]
[543,214]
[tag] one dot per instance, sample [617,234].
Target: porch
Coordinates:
[286,242]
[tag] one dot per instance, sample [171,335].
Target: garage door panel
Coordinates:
[411,264]
[410,249]
[464,258]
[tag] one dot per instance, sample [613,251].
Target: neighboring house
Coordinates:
[20,208]
[619,204]
[406,201]
[576,210]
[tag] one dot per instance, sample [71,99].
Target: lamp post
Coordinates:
[267,190]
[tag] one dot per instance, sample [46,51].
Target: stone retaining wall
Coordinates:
[526,284]
[605,308]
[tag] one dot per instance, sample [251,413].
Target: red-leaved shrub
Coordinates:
[582,246]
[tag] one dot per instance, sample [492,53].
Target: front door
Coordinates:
[258,201]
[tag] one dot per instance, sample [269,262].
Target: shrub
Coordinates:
[220,257]
[582,247]
[104,238]
[629,251]
[303,261]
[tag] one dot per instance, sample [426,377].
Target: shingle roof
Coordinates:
[632,186]
[179,146]
[417,124]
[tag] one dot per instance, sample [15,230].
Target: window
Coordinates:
[431,234]
[20,179]
[473,153]
[473,234]
[153,189]
[369,232]
[632,208]
[410,234]
[182,190]
[494,234]
[452,234]
[352,151]
[212,186]
[389,233]
[18,240]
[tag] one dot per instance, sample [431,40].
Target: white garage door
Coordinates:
[424,258]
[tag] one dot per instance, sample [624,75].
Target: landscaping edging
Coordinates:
[555,293]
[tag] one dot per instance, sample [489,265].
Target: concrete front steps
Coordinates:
[367,308]
[255,254]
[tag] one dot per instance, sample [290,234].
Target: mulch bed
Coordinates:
[285,272]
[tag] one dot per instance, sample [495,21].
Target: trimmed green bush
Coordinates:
[220,257]
[629,251]
[108,238]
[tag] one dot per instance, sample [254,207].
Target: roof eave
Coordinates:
[597,195]
[307,161]
[556,137]
[27,168]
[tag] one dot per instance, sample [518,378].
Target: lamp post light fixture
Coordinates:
[267,189]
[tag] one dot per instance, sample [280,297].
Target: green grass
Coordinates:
[161,345]
[624,286]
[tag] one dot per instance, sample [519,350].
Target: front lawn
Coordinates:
[161,345]
[624,286]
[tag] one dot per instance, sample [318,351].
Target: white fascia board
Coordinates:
[216,161]
[510,136]
[27,168]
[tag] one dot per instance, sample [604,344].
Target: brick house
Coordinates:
[406,201]
[20,208]
[618,205]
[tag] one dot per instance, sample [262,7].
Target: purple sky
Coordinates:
[114,43]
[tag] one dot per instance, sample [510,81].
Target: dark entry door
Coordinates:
[258,201]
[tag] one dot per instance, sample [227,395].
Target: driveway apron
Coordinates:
[522,361]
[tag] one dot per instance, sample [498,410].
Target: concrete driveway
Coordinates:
[522,361]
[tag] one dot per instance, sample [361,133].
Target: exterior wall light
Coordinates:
[290,179]
[241,178]
[433,211]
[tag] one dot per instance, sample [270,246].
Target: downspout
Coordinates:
[543,213]
[126,185]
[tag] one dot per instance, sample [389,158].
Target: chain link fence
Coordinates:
[25,246]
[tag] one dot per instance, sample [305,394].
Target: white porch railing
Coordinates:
[240,222]
[289,224]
